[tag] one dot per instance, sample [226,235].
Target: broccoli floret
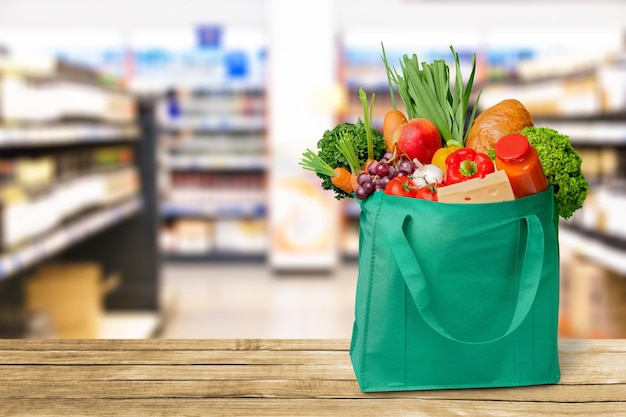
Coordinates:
[330,153]
[562,166]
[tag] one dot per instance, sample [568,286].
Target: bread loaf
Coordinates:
[508,116]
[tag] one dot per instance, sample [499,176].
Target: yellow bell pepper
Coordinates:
[440,156]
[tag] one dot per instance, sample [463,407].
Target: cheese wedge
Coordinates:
[493,188]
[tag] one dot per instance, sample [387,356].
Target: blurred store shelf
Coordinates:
[589,133]
[30,254]
[77,186]
[594,248]
[65,134]
[181,162]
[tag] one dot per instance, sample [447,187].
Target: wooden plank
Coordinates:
[565,345]
[175,344]
[63,351]
[296,389]
[183,357]
[601,368]
[173,372]
[300,408]
[592,345]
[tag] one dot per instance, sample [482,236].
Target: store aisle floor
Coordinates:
[250,301]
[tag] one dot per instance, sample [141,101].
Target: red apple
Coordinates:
[418,138]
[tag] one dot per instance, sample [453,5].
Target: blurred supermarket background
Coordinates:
[150,184]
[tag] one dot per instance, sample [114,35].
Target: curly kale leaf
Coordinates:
[562,166]
[330,153]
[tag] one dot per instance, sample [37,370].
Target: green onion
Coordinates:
[426,93]
[347,149]
[389,82]
[462,98]
[367,121]
[313,162]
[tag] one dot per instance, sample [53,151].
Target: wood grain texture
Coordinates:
[274,378]
[304,408]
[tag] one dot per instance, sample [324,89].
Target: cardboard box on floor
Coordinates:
[72,295]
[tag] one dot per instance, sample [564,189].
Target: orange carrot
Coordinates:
[355,184]
[342,179]
[392,120]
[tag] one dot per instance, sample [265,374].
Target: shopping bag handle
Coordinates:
[418,288]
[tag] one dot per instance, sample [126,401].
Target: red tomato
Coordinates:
[400,186]
[426,192]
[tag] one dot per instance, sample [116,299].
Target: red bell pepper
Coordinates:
[465,163]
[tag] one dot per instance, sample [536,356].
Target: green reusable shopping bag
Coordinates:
[456,295]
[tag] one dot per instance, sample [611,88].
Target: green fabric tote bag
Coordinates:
[456,295]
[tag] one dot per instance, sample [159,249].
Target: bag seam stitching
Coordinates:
[516,290]
[369,290]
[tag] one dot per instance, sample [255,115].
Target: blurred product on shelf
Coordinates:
[71,294]
[600,164]
[598,86]
[215,194]
[592,300]
[604,213]
[188,236]
[57,96]
[227,110]
[241,235]
[214,239]
[38,194]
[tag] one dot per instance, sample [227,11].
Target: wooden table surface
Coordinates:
[273,378]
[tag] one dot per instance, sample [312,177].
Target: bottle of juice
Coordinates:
[519,159]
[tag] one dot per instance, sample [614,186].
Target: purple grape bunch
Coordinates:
[380,172]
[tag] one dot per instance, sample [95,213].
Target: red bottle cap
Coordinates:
[513,147]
